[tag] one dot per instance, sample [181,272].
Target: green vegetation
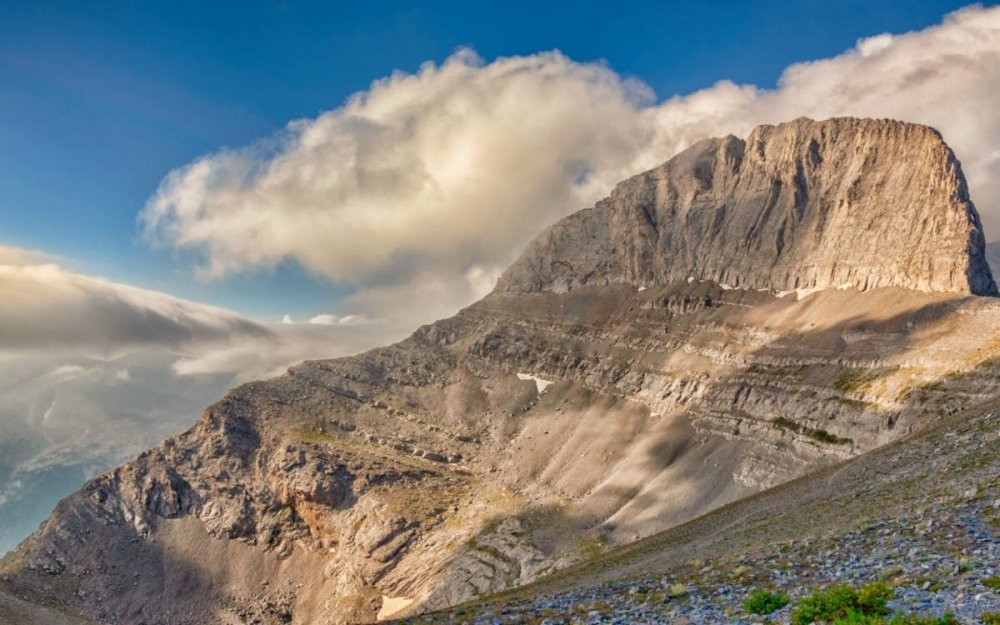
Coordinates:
[836,603]
[868,605]
[852,379]
[820,435]
[992,582]
[990,618]
[764,602]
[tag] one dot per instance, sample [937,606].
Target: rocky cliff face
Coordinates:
[857,202]
[625,376]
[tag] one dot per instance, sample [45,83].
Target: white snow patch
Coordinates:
[641,289]
[540,384]
[690,279]
[800,294]
[392,605]
[726,287]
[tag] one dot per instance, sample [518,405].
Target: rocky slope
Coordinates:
[922,515]
[801,205]
[623,378]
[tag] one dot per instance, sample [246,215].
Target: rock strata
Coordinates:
[858,202]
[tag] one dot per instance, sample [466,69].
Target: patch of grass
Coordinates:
[678,591]
[836,603]
[765,602]
[787,424]
[825,437]
[867,605]
[992,582]
[990,618]
[816,434]
[851,379]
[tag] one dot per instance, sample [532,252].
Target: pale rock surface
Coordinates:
[807,204]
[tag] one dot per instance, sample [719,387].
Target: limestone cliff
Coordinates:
[632,371]
[858,202]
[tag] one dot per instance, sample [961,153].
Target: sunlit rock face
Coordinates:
[856,202]
[745,313]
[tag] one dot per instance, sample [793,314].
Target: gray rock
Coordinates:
[859,202]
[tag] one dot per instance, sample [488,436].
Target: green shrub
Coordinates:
[764,602]
[838,603]
[992,582]
[678,591]
[817,434]
[990,618]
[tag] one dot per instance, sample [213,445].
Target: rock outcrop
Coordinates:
[632,371]
[857,202]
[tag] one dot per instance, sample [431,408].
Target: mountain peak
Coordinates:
[863,203]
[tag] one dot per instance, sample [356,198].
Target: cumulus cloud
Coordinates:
[437,172]
[443,176]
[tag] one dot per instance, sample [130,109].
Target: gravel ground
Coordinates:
[936,564]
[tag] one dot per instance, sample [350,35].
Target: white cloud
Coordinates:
[92,372]
[441,171]
[49,312]
[442,177]
[334,320]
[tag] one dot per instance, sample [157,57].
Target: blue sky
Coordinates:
[99,101]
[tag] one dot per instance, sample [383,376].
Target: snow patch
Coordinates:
[392,605]
[540,384]
[800,294]
[726,287]
[641,289]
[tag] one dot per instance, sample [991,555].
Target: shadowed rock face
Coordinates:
[445,467]
[857,202]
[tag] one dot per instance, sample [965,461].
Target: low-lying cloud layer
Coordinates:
[438,179]
[47,311]
[92,372]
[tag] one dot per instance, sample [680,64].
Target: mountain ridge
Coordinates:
[564,413]
[791,207]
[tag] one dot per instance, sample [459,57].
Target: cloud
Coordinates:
[334,320]
[57,315]
[441,171]
[443,176]
[48,307]
[92,372]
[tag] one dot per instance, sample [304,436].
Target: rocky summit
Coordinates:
[749,312]
[850,202]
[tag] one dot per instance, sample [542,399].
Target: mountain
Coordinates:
[800,205]
[745,314]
